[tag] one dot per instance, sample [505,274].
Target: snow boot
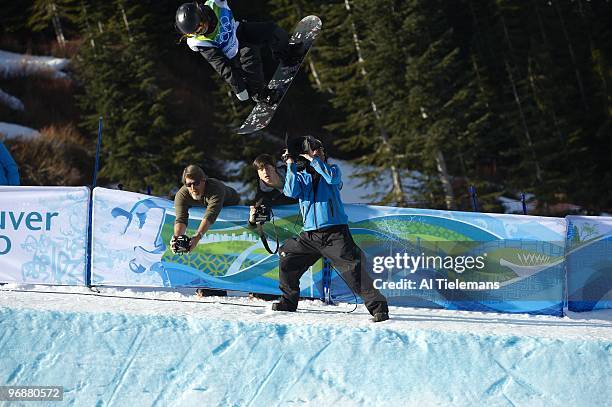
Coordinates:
[380,316]
[283,306]
[209,292]
[265,297]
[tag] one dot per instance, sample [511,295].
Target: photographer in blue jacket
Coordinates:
[325,233]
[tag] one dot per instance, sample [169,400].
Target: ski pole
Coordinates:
[97,165]
[472,191]
[90,209]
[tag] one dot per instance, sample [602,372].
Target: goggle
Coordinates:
[192,184]
[202,27]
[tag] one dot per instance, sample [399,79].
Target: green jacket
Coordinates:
[216,195]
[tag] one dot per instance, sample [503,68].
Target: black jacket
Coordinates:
[271,196]
[229,69]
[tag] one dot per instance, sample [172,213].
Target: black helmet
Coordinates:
[188,17]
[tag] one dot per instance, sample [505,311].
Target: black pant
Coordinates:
[251,37]
[335,243]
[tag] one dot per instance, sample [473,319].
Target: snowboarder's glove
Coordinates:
[242,96]
[180,244]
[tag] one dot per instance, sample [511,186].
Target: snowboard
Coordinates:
[306,31]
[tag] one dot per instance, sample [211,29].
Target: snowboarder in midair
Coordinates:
[232,47]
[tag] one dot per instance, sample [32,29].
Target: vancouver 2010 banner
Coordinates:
[416,257]
[131,234]
[589,262]
[43,235]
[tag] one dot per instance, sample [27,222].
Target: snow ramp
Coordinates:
[136,349]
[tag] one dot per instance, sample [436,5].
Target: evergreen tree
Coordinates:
[45,12]
[544,98]
[14,15]
[348,48]
[433,80]
[141,145]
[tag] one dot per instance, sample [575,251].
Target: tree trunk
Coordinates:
[315,74]
[88,26]
[596,57]
[519,105]
[57,25]
[449,197]
[573,57]
[125,21]
[397,190]
[300,12]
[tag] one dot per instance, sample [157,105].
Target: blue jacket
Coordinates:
[9,173]
[320,208]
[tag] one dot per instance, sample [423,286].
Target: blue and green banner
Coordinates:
[589,262]
[131,235]
[416,257]
[460,260]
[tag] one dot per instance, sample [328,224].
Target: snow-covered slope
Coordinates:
[12,64]
[155,350]
[11,101]
[11,131]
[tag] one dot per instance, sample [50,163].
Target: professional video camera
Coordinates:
[180,244]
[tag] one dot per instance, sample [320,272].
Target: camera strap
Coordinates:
[264,240]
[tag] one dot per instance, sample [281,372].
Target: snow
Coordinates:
[12,65]
[11,101]
[11,131]
[123,347]
[353,192]
[15,65]
[512,205]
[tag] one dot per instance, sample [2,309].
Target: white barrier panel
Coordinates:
[127,246]
[43,235]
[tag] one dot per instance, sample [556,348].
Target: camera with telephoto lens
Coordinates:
[180,245]
[262,214]
[301,145]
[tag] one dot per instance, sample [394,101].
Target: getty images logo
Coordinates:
[404,261]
